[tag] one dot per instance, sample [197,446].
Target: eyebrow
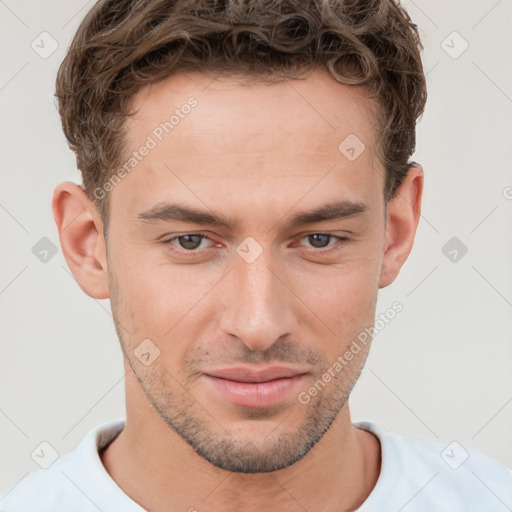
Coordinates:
[168,212]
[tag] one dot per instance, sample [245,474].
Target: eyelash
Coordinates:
[339,241]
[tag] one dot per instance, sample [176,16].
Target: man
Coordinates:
[247,192]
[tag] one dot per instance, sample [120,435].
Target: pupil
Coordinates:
[317,240]
[325,239]
[186,244]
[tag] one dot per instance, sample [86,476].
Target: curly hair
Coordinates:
[124,45]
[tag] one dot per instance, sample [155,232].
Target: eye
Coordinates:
[190,242]
[321,240]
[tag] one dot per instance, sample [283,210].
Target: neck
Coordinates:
[155,467]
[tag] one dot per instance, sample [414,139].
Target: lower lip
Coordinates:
[255,394]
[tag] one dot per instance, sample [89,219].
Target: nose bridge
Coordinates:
[256,308]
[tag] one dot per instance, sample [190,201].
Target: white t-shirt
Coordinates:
[416,475]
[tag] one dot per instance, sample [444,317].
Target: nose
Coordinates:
[256,303]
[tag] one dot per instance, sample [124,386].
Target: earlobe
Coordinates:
[81,237]
[403,214]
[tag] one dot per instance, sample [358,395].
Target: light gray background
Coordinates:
[441,369]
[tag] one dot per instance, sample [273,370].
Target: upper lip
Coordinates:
[242,374]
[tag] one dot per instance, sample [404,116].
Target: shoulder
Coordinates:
[447,476]
[43,490]
[72,482]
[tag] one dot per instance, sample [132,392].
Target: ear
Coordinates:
[81,238]
[403,214]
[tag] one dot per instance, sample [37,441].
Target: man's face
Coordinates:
[262,292]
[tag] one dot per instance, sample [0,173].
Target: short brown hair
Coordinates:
[124,45]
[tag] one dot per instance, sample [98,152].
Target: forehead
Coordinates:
[271,139]
[258,108]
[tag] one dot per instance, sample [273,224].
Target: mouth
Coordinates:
[255,388]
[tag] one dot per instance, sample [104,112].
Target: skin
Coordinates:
[258,154]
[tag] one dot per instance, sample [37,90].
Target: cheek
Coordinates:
[158,300]
[153,304]
[168,302]
[348,286]
[342,298]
